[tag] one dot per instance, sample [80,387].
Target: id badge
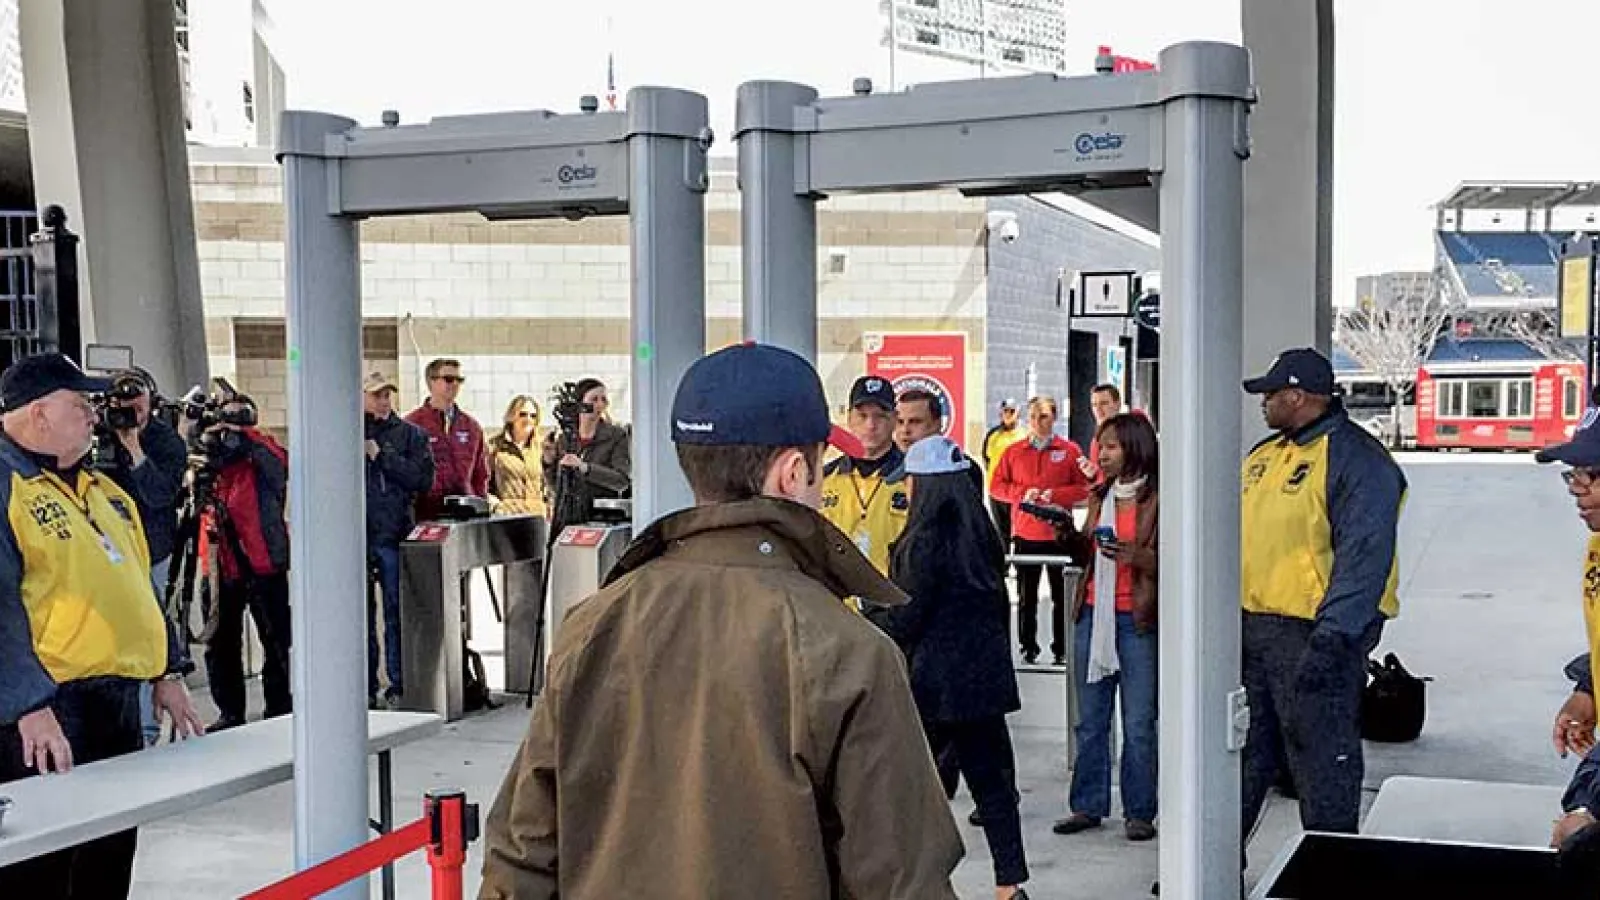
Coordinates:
[864,543]
[112,553]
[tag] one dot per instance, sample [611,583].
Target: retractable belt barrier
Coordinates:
[448,824]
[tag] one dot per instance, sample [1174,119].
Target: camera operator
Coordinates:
[597,452]
[149,461]
[80,628]
[252,541]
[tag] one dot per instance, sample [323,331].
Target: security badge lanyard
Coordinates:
[863,537]
[111,551]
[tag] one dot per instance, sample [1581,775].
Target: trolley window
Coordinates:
[1571,398]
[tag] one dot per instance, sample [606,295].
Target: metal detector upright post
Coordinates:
[1172,140]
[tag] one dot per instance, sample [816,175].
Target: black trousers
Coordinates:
[1305,718]
[267,599]
[100,718]
[1028,599]
[983,751]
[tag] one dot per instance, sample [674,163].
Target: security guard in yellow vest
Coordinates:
[1008,432]
[866,498]
[1320,512]
[1575,728]
[80,626]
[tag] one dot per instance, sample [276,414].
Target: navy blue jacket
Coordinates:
[156,485]
[403,469]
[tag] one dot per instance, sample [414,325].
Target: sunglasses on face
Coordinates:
[525,415]
[1580,476]
[452,379]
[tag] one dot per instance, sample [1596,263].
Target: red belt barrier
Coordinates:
[448,824]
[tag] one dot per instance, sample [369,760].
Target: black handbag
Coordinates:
[1394,703]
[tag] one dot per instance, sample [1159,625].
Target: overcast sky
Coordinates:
[1430,92]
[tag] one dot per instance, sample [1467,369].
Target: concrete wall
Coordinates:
[1026,323]
[525,305]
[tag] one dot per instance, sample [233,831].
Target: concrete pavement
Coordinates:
[1491,552]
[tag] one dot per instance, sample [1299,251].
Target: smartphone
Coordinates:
[1105,536]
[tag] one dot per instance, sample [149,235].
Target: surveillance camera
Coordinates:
[1003,224]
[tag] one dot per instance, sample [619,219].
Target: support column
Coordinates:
[1288,187]
[777,227]
[668,176]
[107,144]
[1201,278]
[327,501]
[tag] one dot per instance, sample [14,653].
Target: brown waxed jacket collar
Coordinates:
[732,533]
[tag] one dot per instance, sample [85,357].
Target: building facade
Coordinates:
[528,305]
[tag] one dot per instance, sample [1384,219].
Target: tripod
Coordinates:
[187,565]
[569,505]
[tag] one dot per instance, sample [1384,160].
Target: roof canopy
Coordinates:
[1521,195]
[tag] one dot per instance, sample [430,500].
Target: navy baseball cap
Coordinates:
[1302,368]
[756,395]
[35,377]
[872,389]
[1583,451]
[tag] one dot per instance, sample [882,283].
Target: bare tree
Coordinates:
[1537,329]
[1391,341]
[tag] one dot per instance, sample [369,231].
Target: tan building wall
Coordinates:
[526,305]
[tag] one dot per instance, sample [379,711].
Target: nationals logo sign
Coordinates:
[934,362]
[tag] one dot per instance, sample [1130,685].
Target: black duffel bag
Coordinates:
[1394,704]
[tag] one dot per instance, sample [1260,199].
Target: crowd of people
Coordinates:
[858,610]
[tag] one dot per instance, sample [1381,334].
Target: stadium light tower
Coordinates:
[1004,35]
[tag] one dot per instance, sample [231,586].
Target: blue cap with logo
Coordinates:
[755,395]
[1583,451]
[1302,368]
[872,389]
[42,374]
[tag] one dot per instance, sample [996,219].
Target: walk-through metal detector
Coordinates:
[648,163]
[1178,135]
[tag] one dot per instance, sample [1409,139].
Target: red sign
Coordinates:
[1120,64]
[573,536]
[430,532]
[935,362]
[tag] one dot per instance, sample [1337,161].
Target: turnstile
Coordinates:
[432,619]
[582,556]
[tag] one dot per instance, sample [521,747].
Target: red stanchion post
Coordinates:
[454,824]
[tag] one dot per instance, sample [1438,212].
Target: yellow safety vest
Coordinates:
[85,576]
[994,447]
[1591,601]
[1286,562]
[870,509]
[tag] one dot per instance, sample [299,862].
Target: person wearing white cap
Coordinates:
[956,635]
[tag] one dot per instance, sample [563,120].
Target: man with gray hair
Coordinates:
[80,628]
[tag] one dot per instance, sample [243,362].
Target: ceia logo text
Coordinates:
[572,174]
[1088,144]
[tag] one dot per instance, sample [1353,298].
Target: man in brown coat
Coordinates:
[716,723]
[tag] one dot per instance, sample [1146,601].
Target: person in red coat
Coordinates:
[460,461]
[1046,469]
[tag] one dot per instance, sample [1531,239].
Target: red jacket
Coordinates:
[460,460]
[253,489]
[1053,469]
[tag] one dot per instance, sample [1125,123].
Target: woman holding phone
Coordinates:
[1115,634]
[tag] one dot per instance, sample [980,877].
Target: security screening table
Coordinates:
[1434,837]
[101,798]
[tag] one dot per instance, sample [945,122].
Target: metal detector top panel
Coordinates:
[517,165]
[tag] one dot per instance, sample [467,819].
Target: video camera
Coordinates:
[205,411]
[566,405]
[113,413]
